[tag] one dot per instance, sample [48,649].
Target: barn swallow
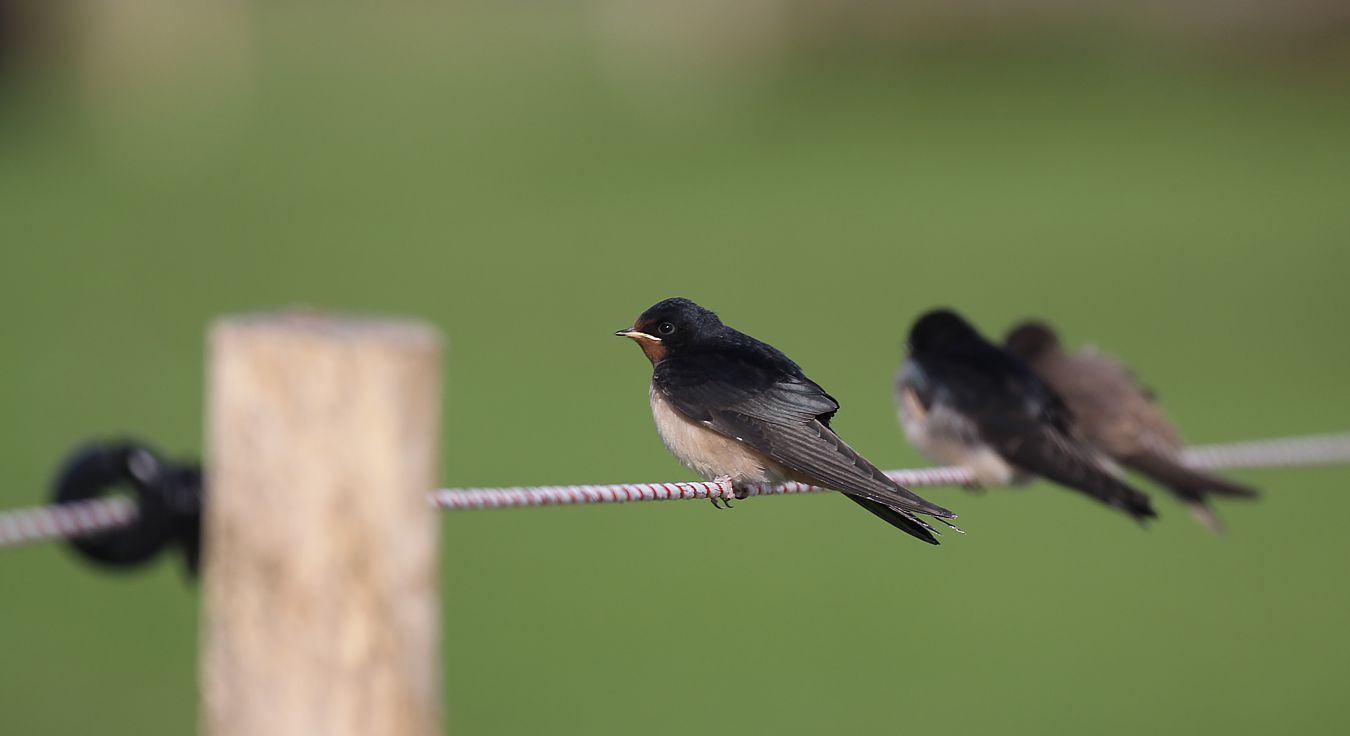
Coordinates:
[1118,416]
[732,408]
[964,401]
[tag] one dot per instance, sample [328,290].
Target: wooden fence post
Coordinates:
[321,612]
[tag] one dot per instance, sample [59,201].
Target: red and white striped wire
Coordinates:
[463,499]
[1311,450]
[39,523]
[22,526]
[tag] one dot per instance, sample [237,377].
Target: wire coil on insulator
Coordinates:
[167,501]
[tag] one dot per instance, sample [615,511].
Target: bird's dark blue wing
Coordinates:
[782,414]
[1025,422]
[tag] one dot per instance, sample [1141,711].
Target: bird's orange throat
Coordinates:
[655,351]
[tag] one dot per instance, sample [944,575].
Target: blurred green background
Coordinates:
[1172,184]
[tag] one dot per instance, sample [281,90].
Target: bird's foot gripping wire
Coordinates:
[720,502]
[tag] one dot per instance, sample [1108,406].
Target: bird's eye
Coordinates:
[665,328]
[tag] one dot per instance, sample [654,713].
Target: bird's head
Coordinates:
[1032,340]
[938,330]
[669,326]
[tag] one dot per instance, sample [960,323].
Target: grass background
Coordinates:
[494,176]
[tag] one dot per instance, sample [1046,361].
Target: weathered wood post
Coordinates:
[321,613]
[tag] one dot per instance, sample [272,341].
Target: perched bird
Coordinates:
[964,401]
[1118,416]
[732,408]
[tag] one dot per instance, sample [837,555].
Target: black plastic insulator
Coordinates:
[168,503]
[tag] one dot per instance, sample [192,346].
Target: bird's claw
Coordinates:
[720,502]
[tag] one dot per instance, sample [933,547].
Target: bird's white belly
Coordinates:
[951,439]
[708,453]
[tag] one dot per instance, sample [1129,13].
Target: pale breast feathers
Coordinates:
[707,452]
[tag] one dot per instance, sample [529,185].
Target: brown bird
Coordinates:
[1118,416]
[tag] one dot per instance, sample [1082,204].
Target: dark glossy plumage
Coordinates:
[1014,412]
[749,391]
[743,388]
